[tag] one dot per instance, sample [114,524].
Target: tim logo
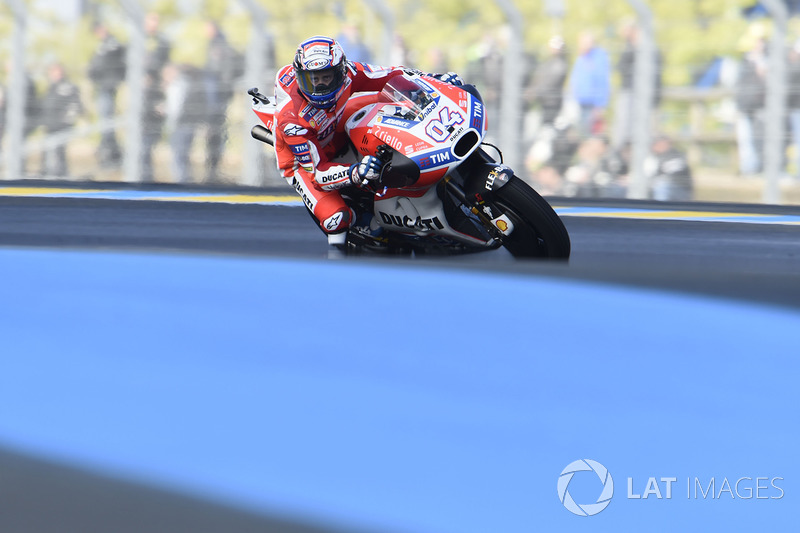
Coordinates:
[477,115]
[434,159]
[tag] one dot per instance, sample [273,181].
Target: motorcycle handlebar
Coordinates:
[257,96]
[384,153]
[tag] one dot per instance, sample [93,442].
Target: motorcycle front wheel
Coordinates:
[538,230]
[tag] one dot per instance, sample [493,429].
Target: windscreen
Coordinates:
[409,98]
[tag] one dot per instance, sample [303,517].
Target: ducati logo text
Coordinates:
[419,223]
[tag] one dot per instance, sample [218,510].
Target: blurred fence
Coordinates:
[586,103]
[138,95]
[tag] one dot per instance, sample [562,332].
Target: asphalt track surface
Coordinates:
[756,262]
[759,262]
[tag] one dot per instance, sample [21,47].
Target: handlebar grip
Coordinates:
[262,134]
[384,153]
[257,96]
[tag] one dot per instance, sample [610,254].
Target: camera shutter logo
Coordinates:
[586,509]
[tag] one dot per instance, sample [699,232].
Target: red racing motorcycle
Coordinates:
[439,191]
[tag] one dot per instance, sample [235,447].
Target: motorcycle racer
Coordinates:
[310,95]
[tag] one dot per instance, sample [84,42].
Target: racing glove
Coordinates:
[366,171]
[450,77]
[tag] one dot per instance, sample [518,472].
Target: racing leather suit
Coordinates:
[308,138]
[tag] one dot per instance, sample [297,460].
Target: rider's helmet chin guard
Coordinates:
[320,67]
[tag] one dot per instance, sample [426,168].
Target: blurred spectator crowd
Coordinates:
[181,102]
[578,100]
[578,113]
[577,131]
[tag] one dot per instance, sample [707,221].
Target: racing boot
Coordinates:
[367,234]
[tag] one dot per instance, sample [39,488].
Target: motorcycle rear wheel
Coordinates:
[538,230]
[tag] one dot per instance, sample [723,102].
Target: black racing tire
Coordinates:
[538,230]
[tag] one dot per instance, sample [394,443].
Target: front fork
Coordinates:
[496,223]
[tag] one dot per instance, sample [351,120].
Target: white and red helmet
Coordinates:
[321,70]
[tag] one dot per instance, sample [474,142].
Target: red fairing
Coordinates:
[268,119]
[425,129]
